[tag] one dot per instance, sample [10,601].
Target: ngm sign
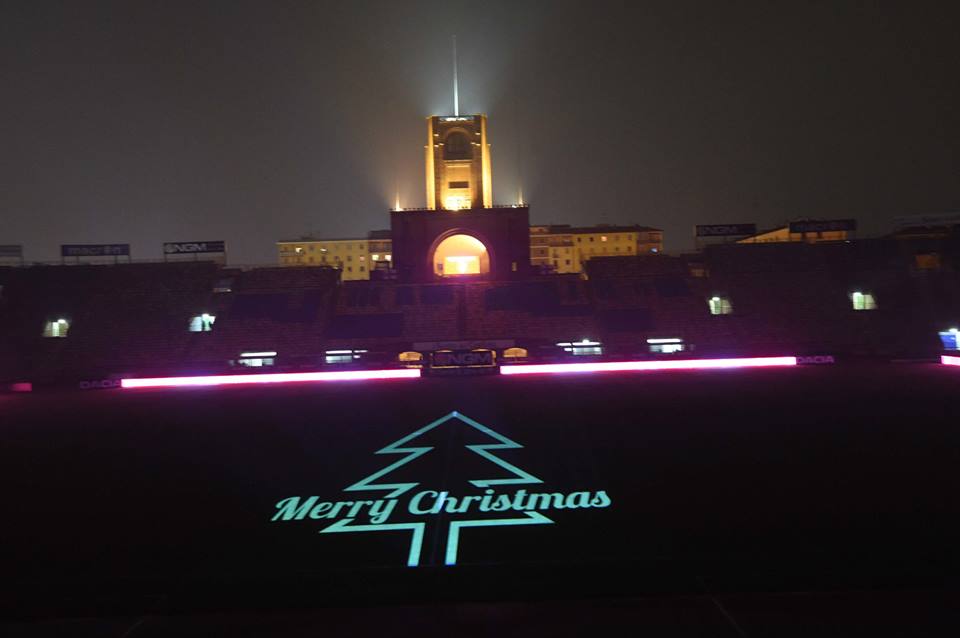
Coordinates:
[388,501]
[194,247]
[725,230]
[463,358]
[463,362]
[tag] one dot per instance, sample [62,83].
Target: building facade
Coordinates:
[565,249]
[461,232]
[790,234]
[355,257]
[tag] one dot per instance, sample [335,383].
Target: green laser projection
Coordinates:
[415,452]
[525,507]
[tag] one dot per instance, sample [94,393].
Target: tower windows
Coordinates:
[457,147]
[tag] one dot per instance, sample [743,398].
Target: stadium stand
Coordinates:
[789,298]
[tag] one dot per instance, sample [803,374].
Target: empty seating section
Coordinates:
[785,299]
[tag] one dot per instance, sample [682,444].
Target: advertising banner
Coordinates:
[926,221]
[463,362]
[11,250]
[823,226]
[194,247]
[95,250]
[725,230]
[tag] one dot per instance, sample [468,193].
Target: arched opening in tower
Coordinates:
[459,255]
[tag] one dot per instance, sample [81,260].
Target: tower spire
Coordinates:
[456,88]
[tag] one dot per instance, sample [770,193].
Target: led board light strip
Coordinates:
[949,361]
[631,366]
[282,377]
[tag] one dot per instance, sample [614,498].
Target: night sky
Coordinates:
[145,122]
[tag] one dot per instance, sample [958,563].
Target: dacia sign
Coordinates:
[823,226]
[194,247]
[95,250]
[99,384]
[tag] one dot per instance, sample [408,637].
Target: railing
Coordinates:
[454,210]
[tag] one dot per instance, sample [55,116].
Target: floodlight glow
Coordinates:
[271,353]
[638,366]
[666,340]
[949,361]
[283,377]
[461,265]
[454,202]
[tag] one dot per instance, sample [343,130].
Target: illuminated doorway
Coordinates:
[461,255]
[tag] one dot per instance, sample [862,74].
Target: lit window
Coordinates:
[928,261]
[603,238]
[720,306]
[375,257]
[342,356]
[298,250]
[256,362]
[515,353]
[863,301]
[583,347]
[666,345]
[202,323]
[363,258]
[950,339]
[323,250]
[388,257]
[56,328]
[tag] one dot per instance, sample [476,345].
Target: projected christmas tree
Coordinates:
[516,476]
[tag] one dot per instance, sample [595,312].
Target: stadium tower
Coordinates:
[461,233]
[458,163]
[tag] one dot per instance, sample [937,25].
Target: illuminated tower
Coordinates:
[458,163]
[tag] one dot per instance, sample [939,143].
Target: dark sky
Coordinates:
[145,122]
